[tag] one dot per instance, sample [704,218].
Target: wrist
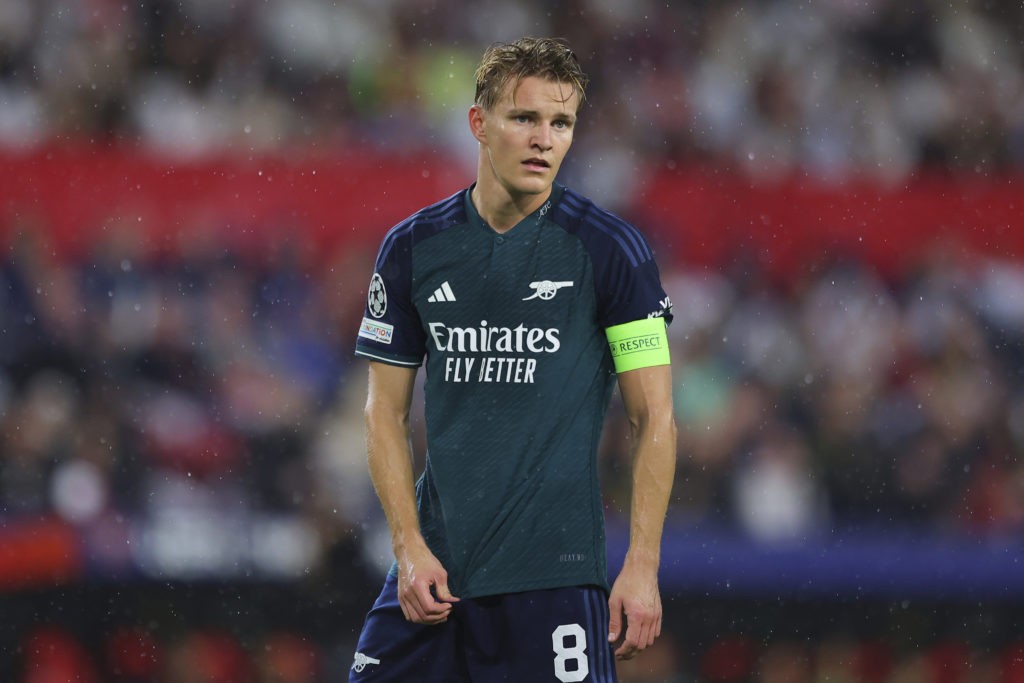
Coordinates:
[643,559]
[402,543]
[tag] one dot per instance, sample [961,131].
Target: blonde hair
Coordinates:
[548,58]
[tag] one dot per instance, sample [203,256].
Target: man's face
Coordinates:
[526,134]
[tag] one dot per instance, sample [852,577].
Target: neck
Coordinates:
[501,209]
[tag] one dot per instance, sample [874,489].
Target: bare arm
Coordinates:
[647,396]
[389,455]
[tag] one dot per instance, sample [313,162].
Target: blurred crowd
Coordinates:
[845,400]
[205,401]
[832,88]
[217,383]
[213,655]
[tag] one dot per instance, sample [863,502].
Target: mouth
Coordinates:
[536,164]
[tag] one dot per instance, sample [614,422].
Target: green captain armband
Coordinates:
[638,344]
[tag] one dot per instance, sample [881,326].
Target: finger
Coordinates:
[434,619]
[635,635]
[417,615]
[637,632]
[652,627]
[656,620]
[440,616]
[646,632]
[615,619]
[431,609]
[625,651]
[444,593]
[411,601]
[419,594]
[412,611]
[627,646]
[652,633]
[646,635]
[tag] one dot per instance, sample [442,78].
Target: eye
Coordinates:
[521,118]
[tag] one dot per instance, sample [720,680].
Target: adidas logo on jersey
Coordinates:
[442,293]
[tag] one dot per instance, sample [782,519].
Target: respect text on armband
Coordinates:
[634,344]
[492,353]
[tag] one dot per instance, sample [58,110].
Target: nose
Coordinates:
[542,137]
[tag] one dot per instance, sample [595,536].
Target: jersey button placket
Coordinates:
[501,261]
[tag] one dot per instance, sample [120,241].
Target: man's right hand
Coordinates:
[423,586]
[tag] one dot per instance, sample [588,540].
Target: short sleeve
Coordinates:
[629,289]
[391,331]
[626,280]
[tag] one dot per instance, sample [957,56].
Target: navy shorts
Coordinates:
[558,635]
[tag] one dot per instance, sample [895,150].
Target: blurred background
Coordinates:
[191,196]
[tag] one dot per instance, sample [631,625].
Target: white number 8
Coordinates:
[574,653]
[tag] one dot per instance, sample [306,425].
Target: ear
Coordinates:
[476,123]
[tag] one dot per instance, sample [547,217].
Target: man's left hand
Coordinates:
[636,603]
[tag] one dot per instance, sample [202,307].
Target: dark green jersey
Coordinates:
[510,328]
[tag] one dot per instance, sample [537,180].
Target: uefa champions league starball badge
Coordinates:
[377,298]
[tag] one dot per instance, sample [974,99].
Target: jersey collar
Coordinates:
[534,219]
